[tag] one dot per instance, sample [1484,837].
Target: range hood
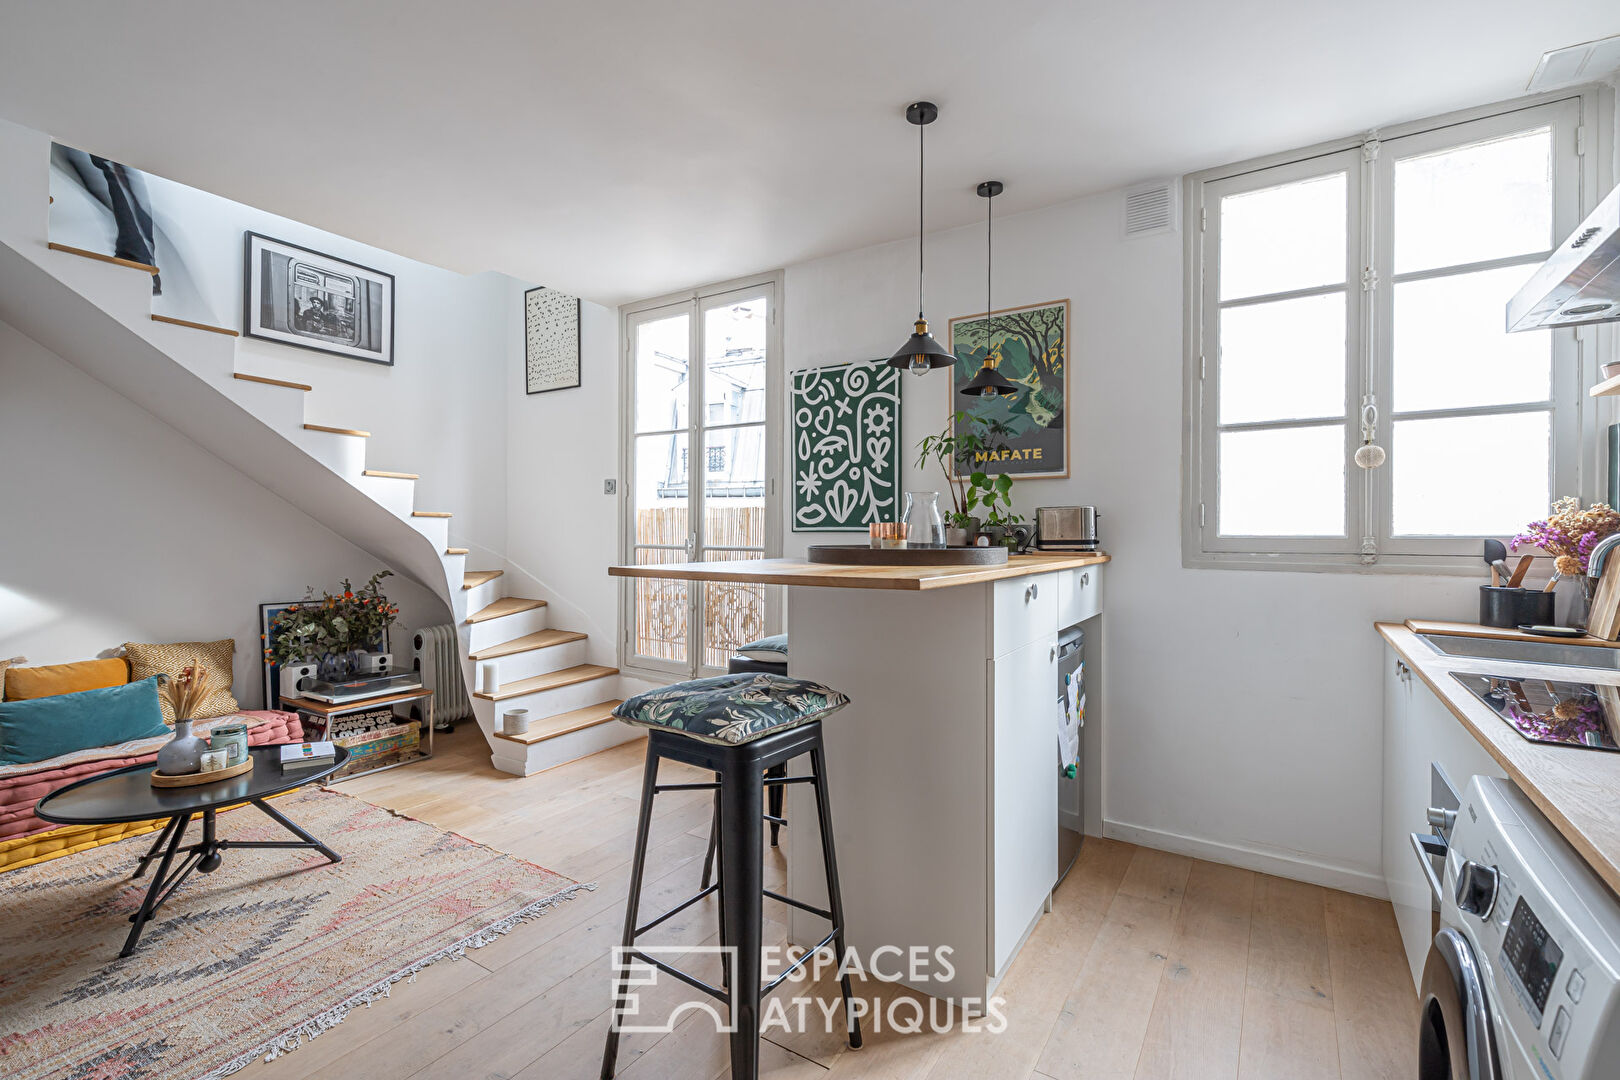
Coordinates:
[1580,282]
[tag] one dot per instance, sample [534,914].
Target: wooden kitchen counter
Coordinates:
[834,575]
[1578,790]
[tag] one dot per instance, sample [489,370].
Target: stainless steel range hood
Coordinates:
[1580,282]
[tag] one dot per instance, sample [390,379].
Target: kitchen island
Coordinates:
[944,768]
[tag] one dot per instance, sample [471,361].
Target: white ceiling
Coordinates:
[624,149]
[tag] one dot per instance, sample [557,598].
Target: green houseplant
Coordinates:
[331,628]
[972,490]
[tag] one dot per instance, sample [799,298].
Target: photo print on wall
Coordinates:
[550,340]
[296,296]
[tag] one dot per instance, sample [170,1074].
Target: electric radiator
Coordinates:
[439,661]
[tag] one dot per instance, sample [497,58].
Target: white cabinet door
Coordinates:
[1024,777]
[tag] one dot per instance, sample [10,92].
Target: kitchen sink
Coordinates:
[1526,652]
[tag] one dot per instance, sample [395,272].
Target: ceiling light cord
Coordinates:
[921,172]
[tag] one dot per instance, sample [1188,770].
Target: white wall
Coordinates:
[438,411]
[117,528]
[1243,711]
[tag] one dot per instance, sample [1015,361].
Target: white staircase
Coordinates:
[95,312]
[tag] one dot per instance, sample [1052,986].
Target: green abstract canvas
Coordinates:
[846,446]
[1030,347]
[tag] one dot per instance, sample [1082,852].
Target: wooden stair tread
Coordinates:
[455,551]
[99,257]
[338,430]
[172,321]
[506,605]
[430,513]
[540,639]
[552,726]
[269,381]
[471,579]
[551,680]
[390,475]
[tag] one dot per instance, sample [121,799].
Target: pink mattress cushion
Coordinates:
[22,786]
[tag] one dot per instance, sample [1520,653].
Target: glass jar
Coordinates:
[925,528]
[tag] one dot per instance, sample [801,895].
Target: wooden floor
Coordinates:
[1151,966]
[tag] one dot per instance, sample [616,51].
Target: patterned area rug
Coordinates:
[272,948]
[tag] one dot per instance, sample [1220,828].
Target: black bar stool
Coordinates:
[737,727]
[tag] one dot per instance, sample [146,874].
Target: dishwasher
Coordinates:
[1071,665]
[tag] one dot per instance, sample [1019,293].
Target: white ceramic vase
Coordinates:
[183,753]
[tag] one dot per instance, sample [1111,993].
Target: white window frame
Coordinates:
[1581,120]
[695,302]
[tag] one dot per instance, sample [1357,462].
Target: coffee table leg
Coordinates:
[293,827]
[163,838]
[149,902]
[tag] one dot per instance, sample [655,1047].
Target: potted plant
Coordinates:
[334,629]
[970,489]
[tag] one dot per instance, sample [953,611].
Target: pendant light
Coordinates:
[989,382]
[921,354]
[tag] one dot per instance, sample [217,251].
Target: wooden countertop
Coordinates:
[1578,790]
[833,575]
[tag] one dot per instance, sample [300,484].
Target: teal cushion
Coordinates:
[769,648]
[732,709]
[47,727]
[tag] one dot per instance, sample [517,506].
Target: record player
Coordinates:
[360,687]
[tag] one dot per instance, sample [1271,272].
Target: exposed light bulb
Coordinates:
[919,364]
[990,391]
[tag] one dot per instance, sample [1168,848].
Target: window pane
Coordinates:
[1283,482]
[1489,200]
[662,363]
[660,609]
[734,465]
[661,470]
[734,362]
[733,613]
[1283,360]
[1284,238]
[1452,350]
[1470,475]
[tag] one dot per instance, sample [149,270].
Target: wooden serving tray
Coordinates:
[193,779]
[862,555]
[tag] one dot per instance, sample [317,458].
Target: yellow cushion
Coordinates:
[214,657]
[24,683]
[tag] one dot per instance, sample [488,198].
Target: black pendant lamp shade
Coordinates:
[988,382]
[921,353]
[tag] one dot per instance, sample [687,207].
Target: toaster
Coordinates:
[1066,528]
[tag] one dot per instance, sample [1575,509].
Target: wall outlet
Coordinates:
[610,487]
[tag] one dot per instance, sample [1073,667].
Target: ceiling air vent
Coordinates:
[1150,209]
[1579,63]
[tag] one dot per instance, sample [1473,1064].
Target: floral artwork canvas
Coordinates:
[845,446]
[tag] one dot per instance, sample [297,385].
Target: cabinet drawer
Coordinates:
[1025,610]
[1079,594]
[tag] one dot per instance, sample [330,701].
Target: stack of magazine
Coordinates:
[307,755]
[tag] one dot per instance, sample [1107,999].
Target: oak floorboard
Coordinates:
[1194,1032]
[1288,951]
[1373,1002]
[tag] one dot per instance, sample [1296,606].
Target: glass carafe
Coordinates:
[924,526]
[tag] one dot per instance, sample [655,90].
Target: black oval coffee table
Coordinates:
[128,795]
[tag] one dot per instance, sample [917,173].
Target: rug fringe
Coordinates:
[293,1038]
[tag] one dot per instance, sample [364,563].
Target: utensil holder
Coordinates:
[1506,607]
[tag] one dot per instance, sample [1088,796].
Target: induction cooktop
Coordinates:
[1567,714]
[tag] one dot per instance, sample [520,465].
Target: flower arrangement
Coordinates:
[184,693]
[1569,533]
[331,624]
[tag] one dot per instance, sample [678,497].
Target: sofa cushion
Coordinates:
[47,727]
[732,709]
[215,657]
[773,649]
[23,683]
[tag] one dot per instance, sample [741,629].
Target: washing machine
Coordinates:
[1523,979]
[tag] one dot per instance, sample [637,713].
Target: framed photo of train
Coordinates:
[296,296]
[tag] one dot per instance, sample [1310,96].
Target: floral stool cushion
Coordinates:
[732,709]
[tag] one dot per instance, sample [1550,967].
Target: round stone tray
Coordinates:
[862,555]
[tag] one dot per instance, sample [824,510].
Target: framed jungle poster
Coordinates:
[1029,346]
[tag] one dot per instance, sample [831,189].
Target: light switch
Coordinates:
[610,487]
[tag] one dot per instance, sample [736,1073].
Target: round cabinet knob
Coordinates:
[1085,579]
[1052,654]
[1476,889]
[1032,592]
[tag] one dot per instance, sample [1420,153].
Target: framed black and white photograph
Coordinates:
[550,340]
[300,297]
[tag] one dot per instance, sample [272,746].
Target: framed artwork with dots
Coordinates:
[551,341]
